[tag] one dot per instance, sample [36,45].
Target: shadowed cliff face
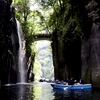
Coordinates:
[82,56]
[89,11]
[9,44]
[91,44]
[7,28]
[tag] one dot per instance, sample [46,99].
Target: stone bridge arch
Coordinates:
[42,36]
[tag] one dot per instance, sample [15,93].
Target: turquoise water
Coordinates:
[44,91]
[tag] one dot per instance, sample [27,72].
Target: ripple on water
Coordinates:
[44,91]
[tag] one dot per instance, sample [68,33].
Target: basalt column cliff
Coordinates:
[8,48]
[13,48]
[76,50]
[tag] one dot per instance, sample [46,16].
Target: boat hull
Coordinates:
[71,87]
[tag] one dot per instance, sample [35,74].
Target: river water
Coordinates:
[44,91]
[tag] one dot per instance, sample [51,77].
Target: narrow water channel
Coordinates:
[44,91]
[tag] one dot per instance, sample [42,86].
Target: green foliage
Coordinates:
[37,70]
[52,15]
[23,8]
[58,18]
[44,57]
[33,22]
[22,12]
[65,19]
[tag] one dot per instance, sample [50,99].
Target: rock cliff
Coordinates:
[76,53]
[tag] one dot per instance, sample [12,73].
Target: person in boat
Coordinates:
[81,81]
[57,81]
[75,81]
[63,82]
[67,80]
[71,81]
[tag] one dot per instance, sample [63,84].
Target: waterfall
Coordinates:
[21,77]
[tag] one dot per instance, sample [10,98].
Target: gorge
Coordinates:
[75,47]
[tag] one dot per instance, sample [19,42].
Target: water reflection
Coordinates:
[73,94]
[43,91]
[34,91]
[96,94]
[17,92]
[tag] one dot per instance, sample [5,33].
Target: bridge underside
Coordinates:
[38,37]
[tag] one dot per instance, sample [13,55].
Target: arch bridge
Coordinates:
[42,36]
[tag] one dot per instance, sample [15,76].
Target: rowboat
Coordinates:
[71,87]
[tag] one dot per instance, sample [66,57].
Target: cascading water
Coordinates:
[21,77]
